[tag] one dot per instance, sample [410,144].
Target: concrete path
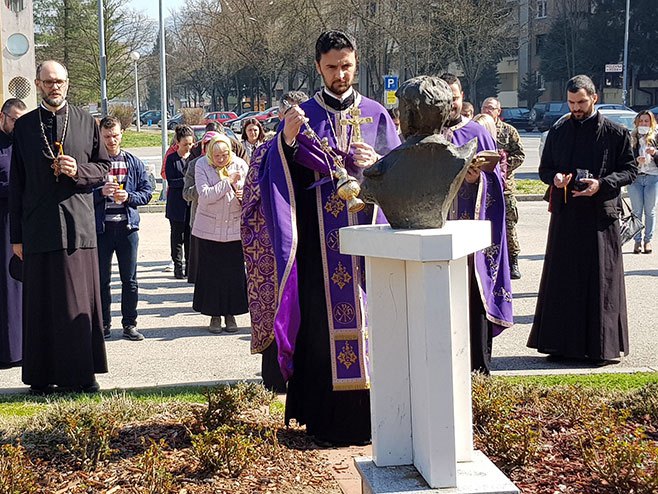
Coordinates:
[179,349]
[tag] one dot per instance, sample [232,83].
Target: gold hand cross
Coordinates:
[356,122]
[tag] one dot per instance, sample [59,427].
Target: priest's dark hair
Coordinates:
[333,40]
[109,122]
[13,103]
[183,131]
[451,79]
[578,82]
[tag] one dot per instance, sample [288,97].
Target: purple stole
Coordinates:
[485,201]
[269,232]
[259,258]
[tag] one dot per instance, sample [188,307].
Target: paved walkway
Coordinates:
[179,349]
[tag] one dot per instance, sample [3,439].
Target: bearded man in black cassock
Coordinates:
[58,157]
[581,307]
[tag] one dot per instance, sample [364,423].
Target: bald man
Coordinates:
[57,159]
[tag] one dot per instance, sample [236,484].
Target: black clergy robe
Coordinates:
[11,333]
[581,306]
[53,218]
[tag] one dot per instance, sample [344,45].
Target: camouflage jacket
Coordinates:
[510,142]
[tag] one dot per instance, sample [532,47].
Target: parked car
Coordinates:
[547,113]
[518,118]
[654,110]
[625,118]
[219,116]
[173,121]
[612,106]
[265,114]
[236,124]
[199,130]
[154,116]
[271,124]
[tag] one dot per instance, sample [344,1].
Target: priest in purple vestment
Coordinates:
[11,300]
[481,197]
[299,283]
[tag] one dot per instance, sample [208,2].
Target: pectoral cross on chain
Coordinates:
[356,122]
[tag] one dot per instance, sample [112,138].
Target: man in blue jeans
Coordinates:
[117,224]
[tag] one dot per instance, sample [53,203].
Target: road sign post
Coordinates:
[391,83]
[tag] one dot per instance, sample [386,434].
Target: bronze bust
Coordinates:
[416,183]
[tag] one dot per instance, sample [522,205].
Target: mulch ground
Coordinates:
[296,466]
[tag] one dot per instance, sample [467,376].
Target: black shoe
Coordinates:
[601,362]
[514,272]
[94,387]
[231,325]
[107,332]
[37,390]
[178,273]
[130,333]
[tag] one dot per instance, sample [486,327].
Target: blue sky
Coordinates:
[151,7]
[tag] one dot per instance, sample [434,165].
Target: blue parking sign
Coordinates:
[390,83]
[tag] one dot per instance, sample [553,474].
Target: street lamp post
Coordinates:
[163,83]
[103,58]
[134,56]
[624,91]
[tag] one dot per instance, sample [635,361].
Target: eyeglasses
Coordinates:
[53,83]
[13,119]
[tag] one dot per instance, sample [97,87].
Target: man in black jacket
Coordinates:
[581,307]
[117,225]
[57,159]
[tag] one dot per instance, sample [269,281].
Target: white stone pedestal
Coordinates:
[417,285]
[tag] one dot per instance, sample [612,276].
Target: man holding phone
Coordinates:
[581,306]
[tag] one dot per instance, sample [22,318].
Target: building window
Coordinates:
[540,81]
[15,5]
[540,41]
[541,8]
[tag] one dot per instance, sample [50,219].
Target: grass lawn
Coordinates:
[145,138]
[525,186]
[21,405]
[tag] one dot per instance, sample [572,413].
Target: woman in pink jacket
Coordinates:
[220,288]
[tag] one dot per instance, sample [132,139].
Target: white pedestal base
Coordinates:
[478,476]
[417,286]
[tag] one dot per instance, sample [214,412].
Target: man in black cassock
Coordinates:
[581,307]
[11,331]
[58,157]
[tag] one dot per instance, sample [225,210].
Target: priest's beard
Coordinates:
[337,87]
[55,100]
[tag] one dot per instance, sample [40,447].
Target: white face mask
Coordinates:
[643,130]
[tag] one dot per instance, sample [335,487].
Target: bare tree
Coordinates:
[477,34]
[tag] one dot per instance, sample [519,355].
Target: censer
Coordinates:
[347,187]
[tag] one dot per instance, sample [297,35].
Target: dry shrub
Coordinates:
[642,403]
[492,398]
[515,442]
[503,431]
[192,116]
[16,474]
[155,477]
[227,450]
[226,403]
[124,113]
[624,459]
[84,430]
[572,406]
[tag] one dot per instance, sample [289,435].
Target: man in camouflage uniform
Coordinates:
[508,140]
